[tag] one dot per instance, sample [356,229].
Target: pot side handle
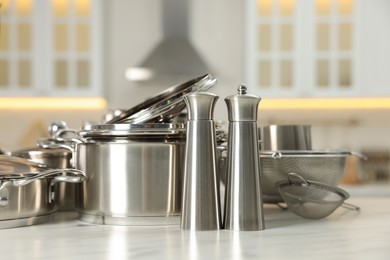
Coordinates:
[65,138]
[68,176]
[58,175]
[55,144]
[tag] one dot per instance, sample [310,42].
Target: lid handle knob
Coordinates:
[241,89]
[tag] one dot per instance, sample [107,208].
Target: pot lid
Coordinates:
[166,104]
[11,165]
[37,152]
[126,130]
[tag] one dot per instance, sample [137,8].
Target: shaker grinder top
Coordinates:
[242,106]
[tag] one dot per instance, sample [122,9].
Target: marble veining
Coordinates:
[343,235]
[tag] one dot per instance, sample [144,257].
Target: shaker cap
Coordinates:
[200,105]
[242,106]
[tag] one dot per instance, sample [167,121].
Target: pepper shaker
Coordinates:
[243,196]
[200,201]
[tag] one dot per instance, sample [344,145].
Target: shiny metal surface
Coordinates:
[26,197]
[56,126]
[131,221]
[130,179]
[242,107]
[112,113]
[243,195]
[27,201]
[133,171]
[174,56]
[326,166]
[286,137]
[52,158]
[55,175]
[22,222]
[310,199]
[201,200]
[55,159]
[10,164]
[165,105]
[134,131]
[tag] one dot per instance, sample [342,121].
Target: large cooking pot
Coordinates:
[133,172]
[28,190]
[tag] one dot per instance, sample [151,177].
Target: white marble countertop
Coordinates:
[343,235]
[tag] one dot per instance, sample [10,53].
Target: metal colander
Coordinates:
[310,199]
[322,166]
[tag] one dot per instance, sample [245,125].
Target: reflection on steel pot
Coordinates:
[28,191]
[55,159]
[134,172]
[285,137]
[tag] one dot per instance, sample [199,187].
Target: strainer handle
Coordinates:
[296,175]
[350,206]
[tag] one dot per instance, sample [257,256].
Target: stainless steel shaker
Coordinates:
[243,197]
[200,200]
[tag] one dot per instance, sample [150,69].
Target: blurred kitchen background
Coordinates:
[323,63]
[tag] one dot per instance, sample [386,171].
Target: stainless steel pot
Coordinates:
[285,137]
[133,172]
[28,191]
[55,159]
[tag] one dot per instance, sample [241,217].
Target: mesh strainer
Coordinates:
[323,166]
[310,199]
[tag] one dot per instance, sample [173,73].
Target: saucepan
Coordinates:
[28,190]
[54,159]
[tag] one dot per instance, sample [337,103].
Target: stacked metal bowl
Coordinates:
[288,148]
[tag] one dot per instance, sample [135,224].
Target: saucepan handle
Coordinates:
[56,175]
[65,138]
[55,144]
[59,175]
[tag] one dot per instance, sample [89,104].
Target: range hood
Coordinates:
[174,58]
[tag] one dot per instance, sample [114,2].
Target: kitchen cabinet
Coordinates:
[50,48]
[322,48]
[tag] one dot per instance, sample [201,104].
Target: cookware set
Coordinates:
[144,166]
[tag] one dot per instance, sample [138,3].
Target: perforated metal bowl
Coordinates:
[322,166]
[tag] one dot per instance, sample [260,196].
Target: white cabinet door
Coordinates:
[374,47]
[322,48]
[273,63]
[50,48]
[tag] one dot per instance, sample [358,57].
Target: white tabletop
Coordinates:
[343,235]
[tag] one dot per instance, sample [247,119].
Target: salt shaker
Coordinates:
[200,201]
[243,196]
